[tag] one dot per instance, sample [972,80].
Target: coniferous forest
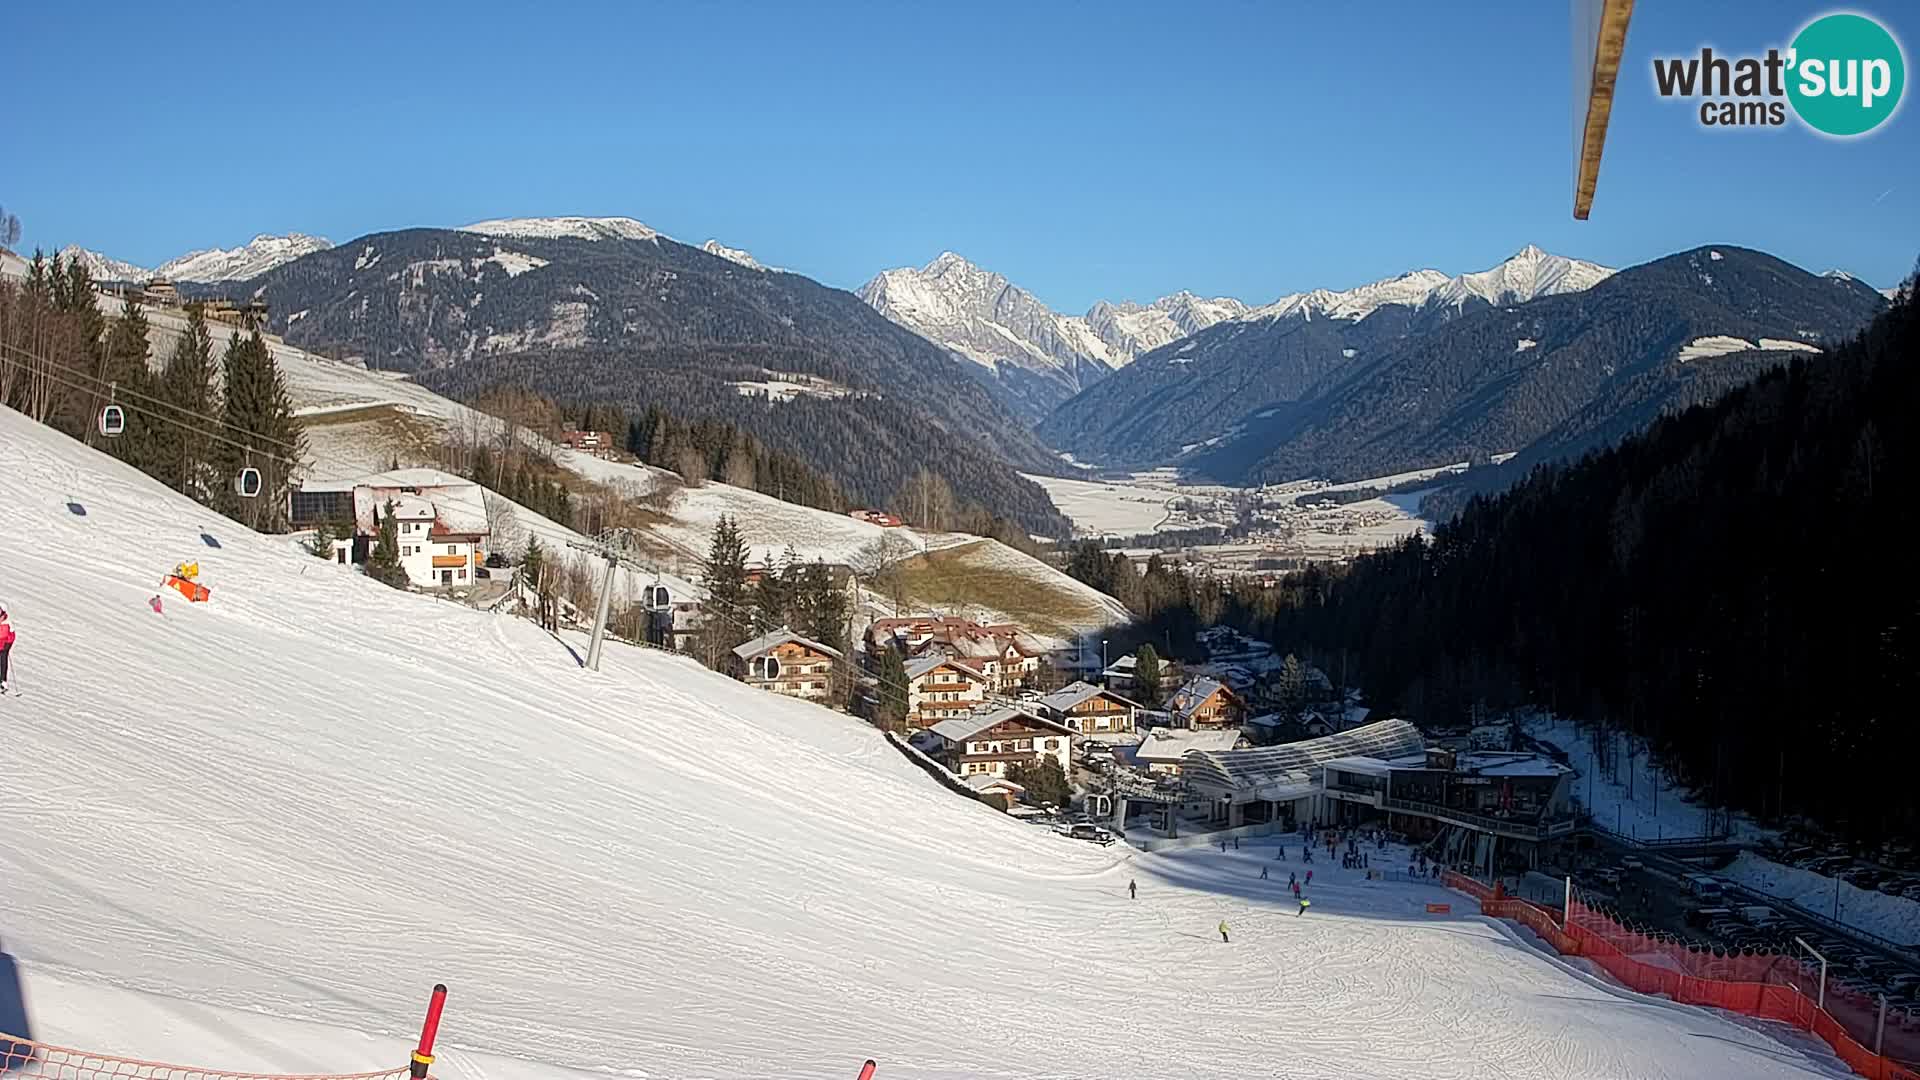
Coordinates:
[1731,584]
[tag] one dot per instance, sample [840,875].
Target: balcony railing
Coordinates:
[1530,830]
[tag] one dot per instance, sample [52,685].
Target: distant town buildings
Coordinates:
[783,662]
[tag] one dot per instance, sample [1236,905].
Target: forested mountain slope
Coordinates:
[1731,584]
[639,319]
[1389,387]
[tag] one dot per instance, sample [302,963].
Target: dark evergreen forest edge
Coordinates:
[1730,584]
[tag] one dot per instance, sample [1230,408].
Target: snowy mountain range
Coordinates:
[563,228]
[255,257]
[1530,273]
[1043,357]
[1035,356]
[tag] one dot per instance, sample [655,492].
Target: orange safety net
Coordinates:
[28,1059]
[1764,985]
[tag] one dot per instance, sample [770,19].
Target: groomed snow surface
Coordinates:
[307,800]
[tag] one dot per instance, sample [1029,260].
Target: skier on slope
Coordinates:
[6,646]
[1223,931]
[1133,890]
[1309,877]
[1304,905]
[1263,873]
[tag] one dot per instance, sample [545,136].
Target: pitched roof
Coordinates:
[1172,744]
[1194,694]
[1076,693]
[962,728]
[768,642]
[920,665]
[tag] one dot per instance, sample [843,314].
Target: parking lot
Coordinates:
[1685,902]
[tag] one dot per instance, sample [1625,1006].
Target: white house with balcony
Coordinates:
[941,688]
[987,743]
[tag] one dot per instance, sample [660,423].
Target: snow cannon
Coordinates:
[194,591]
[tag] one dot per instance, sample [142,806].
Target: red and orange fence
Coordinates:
[1768,986]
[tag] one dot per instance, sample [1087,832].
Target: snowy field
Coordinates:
[251,833]
[1097,508]
[1892,917]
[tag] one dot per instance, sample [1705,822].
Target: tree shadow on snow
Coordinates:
[13,1016]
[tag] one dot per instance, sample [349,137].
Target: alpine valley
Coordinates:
[953,369]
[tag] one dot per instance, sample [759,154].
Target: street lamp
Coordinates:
[1822,1002]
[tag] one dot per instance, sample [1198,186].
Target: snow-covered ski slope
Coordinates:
[309,799]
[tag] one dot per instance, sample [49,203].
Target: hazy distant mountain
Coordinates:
[1032,356]
[104,267]
[255,257]
[1183,398]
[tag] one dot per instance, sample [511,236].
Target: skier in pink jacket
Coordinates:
[6,646]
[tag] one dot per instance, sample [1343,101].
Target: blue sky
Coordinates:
[1084,149]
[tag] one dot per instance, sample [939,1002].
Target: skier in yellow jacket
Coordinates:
[1223,931]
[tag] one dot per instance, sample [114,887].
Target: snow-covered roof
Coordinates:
[409,508]
[1188,699]
[962,728]
[1169,745]
[1079,692]
[990,782]
[768,642]
[921,665]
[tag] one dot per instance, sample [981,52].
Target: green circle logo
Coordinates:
[1847,74]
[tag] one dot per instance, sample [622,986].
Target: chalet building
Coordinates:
[1204,703]
[876,517]
[1119,675]
[941,688]
[986,743]
[783,662]
[598,443]
[1007,655]
[1090,710]
[440,521]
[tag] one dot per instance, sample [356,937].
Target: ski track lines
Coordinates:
[308,800]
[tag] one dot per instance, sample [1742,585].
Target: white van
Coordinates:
[1705,886]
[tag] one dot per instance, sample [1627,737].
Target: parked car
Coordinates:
[1085,831]
[1632,862]
[1707,916]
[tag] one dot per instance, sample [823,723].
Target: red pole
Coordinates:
[423,1056]
[866,1071]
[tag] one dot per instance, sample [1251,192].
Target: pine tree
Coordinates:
[1045,781]
[181,451]
[259,431]
[128,378]
[1146,675]
[729,620]
[383,562]
[891,673]
[322,543]
[774,598]
[1292,690]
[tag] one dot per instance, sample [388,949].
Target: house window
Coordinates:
[1023,744]
[463,575]
[452,549]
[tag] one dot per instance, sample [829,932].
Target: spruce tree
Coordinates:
[128,378]
[260,431]
[383,562]
[891,672]
[181,451]
[1292,690]
[728,619]
[1146,675]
